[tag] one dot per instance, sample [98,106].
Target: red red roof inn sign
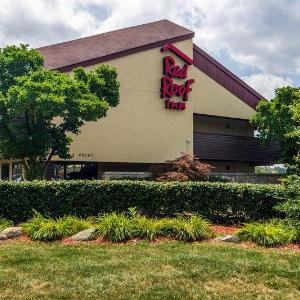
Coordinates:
[172,71]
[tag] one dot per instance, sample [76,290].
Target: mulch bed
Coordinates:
[224,229]
[295,247]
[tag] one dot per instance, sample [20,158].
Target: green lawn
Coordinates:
[168,270]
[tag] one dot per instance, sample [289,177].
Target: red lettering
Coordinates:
[168,64]
[171,69]
[181,105]
[169,88]
[181,90]
[183,71]
[174,89]
[187,89]
[174,105]
[166,84]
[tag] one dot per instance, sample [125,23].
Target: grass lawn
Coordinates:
[166,270]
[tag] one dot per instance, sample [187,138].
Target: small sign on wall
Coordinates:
[169,82]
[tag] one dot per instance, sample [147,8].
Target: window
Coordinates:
[4,171]
[59,171]
[17,171]
[73,171]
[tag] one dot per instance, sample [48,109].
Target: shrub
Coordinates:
[71,225]
[118,227]
[173,176]
[43,229]
[4,223]
[115,227]
[185,168]
[39,228]
[293,225]
[267,234]
[201,229]
[218,178]
[145,228]
[217,202]
[291,207]
[188,230]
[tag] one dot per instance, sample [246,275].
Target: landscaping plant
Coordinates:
[267,234]
[44,229]
[4,223]
[291,207]
[217,202]
[120,227]
[218,178]
[185,229]
[115,227]
[145,228]
[39,228]
[185,168]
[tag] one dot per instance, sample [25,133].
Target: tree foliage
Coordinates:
[291,207]
[40,109]
[278,120]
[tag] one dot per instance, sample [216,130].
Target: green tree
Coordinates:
[40,109]
[278,120]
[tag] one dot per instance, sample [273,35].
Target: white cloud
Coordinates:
[265,84]
[261,36]
[43,22]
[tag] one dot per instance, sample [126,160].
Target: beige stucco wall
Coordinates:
[210,98]
[139,129]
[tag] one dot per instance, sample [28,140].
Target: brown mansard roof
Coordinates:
[102,47]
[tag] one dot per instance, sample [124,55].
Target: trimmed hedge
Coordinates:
[218,202]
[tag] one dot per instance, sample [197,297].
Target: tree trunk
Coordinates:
[46,165]
[33,169]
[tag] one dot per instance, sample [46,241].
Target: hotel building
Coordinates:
[174,98]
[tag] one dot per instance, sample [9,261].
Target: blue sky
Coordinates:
[257,40]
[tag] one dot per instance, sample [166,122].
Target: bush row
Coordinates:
[218,202]
[118,227]
[122,227]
